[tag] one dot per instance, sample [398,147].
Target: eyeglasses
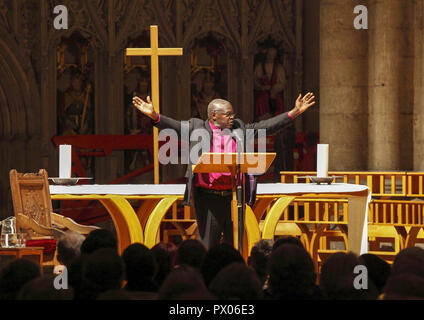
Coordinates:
[227,114]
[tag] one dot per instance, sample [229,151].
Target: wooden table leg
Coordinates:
[274,215]
[155,218]
[127,225]
[358,224]
[253,234]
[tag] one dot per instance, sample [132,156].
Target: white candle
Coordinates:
[65,160]
[322,160]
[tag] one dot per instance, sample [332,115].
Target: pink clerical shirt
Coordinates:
[217,181]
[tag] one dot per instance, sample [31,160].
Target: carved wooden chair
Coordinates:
[34,213]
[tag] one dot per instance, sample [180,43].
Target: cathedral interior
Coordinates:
[74,85]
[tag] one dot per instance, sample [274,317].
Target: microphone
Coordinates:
[238,135]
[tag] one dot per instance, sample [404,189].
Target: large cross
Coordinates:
[154,52]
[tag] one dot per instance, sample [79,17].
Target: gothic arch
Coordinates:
[20,115]
[222,24]
[138,20]
[136,32]
[92,29]
[229,45]
[97,45]
[163,41]
[19,97]
[282,32]
[284,12]
[277,36]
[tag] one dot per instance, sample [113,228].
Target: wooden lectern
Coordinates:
[235,163]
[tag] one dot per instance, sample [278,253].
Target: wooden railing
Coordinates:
[395,203]
[406,213]
[322,211]
[415,184]
[381,184]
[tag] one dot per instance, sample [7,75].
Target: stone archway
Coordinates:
[20,116]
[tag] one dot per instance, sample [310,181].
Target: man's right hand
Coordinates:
[145,107]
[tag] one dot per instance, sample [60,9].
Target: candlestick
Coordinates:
[322,160]
[65,160]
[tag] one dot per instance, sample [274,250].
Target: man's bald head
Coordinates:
[221,114]
[217,104]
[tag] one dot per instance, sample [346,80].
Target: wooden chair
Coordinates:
[34,213]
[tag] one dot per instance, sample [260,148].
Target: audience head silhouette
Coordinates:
[405,286]
[406,280]
[97,239]
[15,275]
[236,282]
[184,283]
[191,252]
[378,270]
[287,240]
[140,268]
[102,270]
[338,278]
[292,274]
[164,254]
[217,258]
[69,247]
[42,288]
[259,257]
[409,260]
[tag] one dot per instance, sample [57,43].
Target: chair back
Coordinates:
[31,197]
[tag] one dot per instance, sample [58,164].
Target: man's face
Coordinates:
[223,116]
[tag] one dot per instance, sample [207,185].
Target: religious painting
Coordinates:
[269,80]
[269,90]
[75,91]
[208,74]
[137,82]
[75,110]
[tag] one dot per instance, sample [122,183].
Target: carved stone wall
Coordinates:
[20,124]
[28,60]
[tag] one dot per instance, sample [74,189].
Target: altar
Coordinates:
[280,195]
[132,225]
[142,225]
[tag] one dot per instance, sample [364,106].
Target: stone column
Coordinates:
[343,85]
[311,59]
[390,84]
[418,124]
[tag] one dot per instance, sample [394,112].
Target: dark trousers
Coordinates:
[283,146]
[213,215]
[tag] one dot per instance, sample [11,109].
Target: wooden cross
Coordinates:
[154,52]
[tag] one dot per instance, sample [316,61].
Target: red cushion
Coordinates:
[49,245]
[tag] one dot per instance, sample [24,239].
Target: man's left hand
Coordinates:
[302,104]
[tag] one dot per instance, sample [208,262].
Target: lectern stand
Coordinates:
[237,164]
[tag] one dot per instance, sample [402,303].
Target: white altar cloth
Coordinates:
[293,188]
[120,189]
